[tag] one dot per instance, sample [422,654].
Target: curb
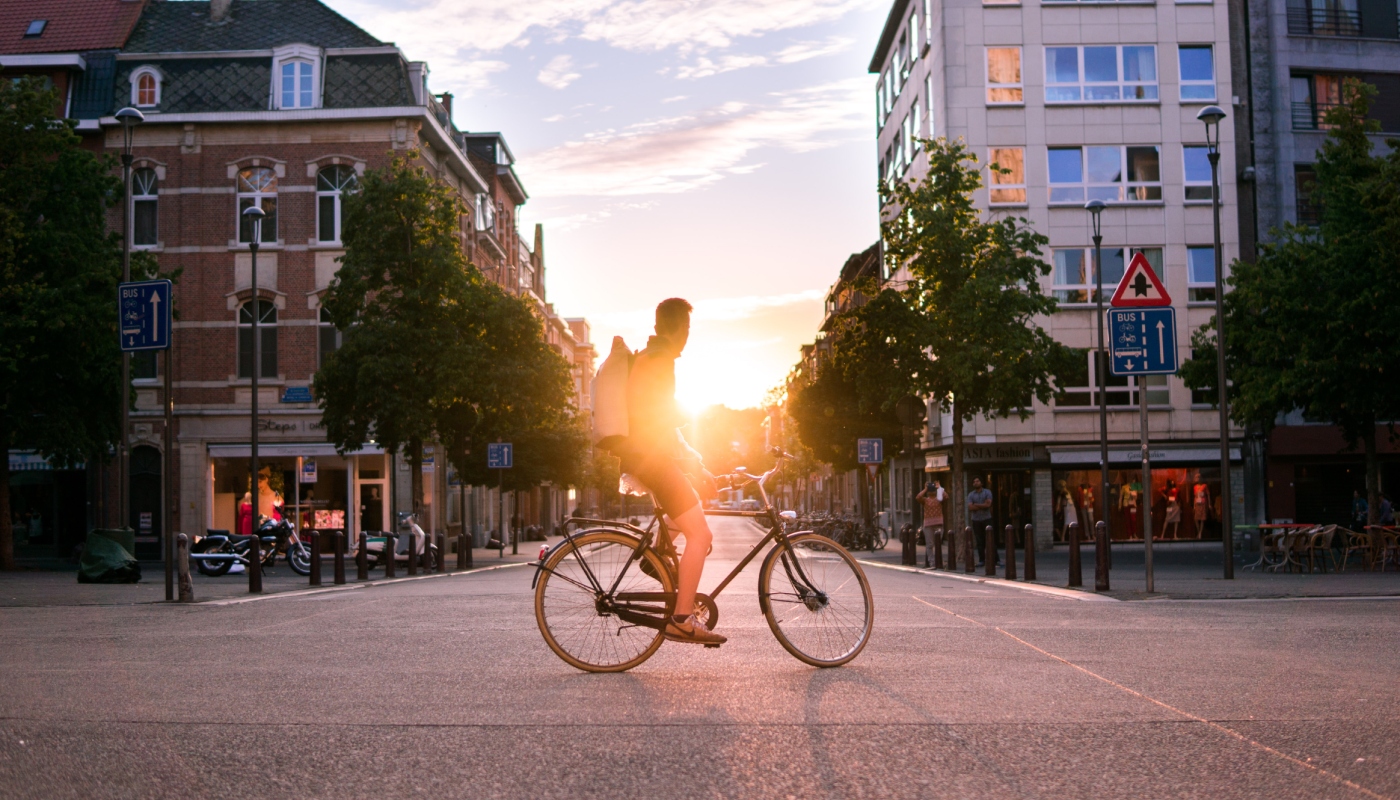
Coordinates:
[1052,591]
[351,587]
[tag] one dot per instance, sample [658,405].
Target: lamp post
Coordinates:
[1211,116]
[1101,546]
[129,118]
[254,216]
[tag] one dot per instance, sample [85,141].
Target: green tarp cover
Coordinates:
[105,561]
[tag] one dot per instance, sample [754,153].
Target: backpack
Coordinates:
[610,398]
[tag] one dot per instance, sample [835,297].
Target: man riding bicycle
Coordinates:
[659,457]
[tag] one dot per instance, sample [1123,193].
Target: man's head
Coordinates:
[673,321]
[977,484]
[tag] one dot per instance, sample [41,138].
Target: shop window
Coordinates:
[1185,502]
[327,338]
[1200,274]
[1008,188]
[267,330]
[1004,76]
[257,188]
[144,207]
[332,184]
[1108,74]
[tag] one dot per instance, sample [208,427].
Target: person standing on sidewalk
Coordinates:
[979,511]
[932,497]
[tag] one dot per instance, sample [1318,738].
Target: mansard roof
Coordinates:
[185,26]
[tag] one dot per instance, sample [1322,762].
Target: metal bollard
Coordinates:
[413,552]
[1100,556]
[461,554]
[362,558]
[1076,574]
[938,549]
[315,557]
[339,558]
[182,562]
[1030,552]
[989,556]
[969,549]
[950,540]
[441,552]
[1010,552]
[255,565]
[391,543]
[466,547]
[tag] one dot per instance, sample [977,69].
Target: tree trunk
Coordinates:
[1373,487]
[959,496]
[863,501]
[7,529]
[415,474]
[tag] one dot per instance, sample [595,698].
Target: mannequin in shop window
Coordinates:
[1200,504]
[1128,503]
[1089,503]
[1064,506]
[245,515]
[1173,518]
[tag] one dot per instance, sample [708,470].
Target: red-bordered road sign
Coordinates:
[1140,287]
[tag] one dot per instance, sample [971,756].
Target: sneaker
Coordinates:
[692,632]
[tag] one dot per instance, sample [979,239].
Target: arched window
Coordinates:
[297,87]
[267,330]
[257,187]
[327,339]
[145,87]
[332,184]
[144,186]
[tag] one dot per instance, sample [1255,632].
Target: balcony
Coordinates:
[1323,21]
[1308,116]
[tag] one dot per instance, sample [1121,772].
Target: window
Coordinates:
[144,185]
[267,328]
[916,122]
[1197,65]
[1004,75]
[929,102]
[1008,188]
[1200,274]
[143,365]
[1078,390]
[36,28]
[890,94]
[1304,181]
[145,87]
[257,188]
[914,35]
[297,87]
[1110,74]
[1204,395]
[900,67]
[485,213]
[1073,273]
[1313,96]
[327,339]
[1113,174]
[332,184]
[1195,162]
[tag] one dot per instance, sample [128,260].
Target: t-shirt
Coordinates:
[977,496]
[933,507]
[651,400]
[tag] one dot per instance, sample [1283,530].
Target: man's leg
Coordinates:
[929,532]
[697,546]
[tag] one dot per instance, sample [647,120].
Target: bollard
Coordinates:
[315,557]
[909,552]
[969,550]
[461,550]
[1100,556]
[950,539]
[467,548]
[391,544]
[938,549]
[182,561]
[1076,574]
[255,565]
[412,552]
[441,552]
[989,555]
[1011,552]
[339,558]
[362,558]
[1030,552]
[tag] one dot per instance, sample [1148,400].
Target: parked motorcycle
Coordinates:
[215,553]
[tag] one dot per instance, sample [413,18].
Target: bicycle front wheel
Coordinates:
[578,616]
[816,600]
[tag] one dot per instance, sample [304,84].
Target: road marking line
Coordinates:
[1052,591]
[1217,726]
[390,581]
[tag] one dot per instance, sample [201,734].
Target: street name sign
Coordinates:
[144,321]
[500,455]
[1142,341]
[870,451]
[1140,287]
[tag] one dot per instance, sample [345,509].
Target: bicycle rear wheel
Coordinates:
[816,600]
[581,624]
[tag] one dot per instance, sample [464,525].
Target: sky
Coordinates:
[717,150]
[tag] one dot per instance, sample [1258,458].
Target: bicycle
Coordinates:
[600,614]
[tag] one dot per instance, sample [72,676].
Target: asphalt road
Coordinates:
[444,687]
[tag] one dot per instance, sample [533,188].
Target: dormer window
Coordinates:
[145,87]
[297,84]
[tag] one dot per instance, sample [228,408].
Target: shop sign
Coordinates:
[936,461]
[25,462]
[308,470]
[275,426]
[1024,453]
[145,522]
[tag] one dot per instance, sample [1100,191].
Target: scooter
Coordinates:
[216,552]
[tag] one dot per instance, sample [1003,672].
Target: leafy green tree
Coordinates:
[959,327]
[1311,324]
[59,269]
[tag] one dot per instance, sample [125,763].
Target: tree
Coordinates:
[59,270]
[961,329]
[1310,325]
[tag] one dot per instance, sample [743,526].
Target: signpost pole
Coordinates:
[1100,380]
[255,216]
[167,529]
[1145,499]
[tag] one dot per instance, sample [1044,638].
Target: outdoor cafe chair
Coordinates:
[1386,542]
[1319,548]
[1357,543]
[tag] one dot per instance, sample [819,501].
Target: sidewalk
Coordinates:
[42,588]
[1182,571]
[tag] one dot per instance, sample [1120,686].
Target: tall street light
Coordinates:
[1101,546]
[254,217]
[129,118]
[1211,116]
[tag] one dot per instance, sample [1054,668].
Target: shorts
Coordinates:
[667,484]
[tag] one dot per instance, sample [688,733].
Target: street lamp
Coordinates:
[129,118]
[254,216]
[1102,553]
[1211,116]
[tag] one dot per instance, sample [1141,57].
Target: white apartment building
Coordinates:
[1081,100]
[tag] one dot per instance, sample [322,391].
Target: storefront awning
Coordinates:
[286,450]
[1158,456]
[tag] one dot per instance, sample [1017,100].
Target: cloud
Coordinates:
[681,153]
[558,73]
[704,66]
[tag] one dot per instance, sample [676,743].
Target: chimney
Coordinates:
[446,98]
[218,10]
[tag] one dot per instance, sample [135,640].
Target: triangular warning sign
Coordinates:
[1140,286]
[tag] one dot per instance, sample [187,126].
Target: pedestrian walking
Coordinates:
[1359,511]
[932,498]
[979,511]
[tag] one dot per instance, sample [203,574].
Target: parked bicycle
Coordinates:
[603,595]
